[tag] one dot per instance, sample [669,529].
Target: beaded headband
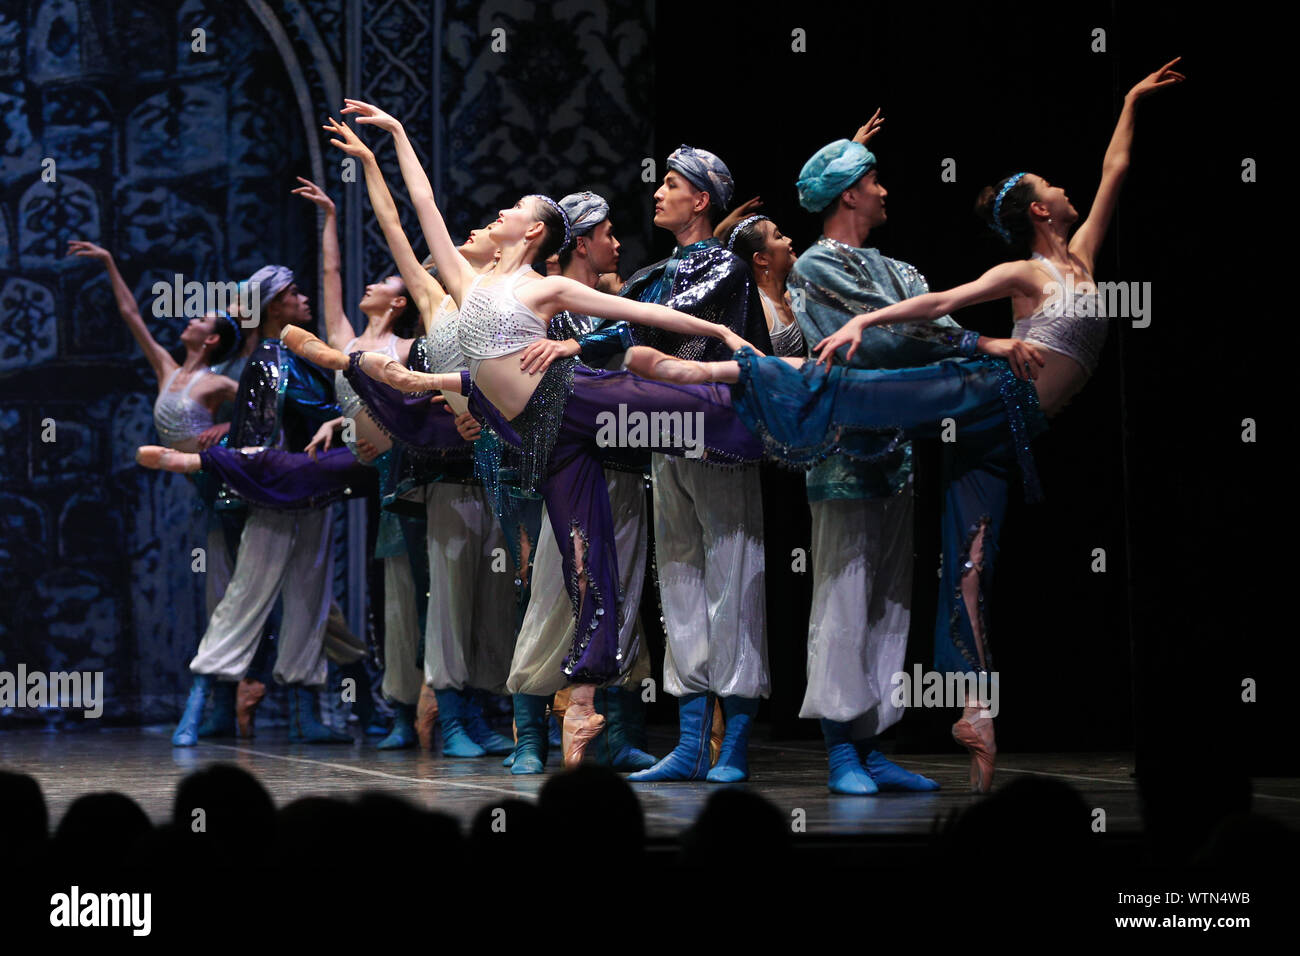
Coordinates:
[731,239]
[239,333]
[1000,229]
[568,229]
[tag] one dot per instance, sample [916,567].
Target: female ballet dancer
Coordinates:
[551,419]
[804,411]
[469,631]
[758,241]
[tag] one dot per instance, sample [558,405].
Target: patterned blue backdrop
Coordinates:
[181,162]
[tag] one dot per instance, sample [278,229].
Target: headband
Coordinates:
[568,229]
[1000,229]
[731,239]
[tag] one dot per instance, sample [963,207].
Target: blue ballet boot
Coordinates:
[304,725]
[889,775]
[555,731]
[187,731]
[221,718]
[478,728]
[846,773]
[530,726]
[689,760]
[402,735]
[456,741]
[613,749]
[733,761]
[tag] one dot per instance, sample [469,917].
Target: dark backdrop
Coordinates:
[1148,462]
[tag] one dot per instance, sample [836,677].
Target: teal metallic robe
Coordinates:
[830,284]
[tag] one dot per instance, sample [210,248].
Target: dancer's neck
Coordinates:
[579,268]
[1051,242]
[843,226]
[694,231]
[195,359]
[773,287]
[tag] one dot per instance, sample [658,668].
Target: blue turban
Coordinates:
[271,281]
[586,210]
[705,171]
[833,168]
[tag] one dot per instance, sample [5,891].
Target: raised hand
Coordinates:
[322,440]
[1025,358]
[869,129]
[538,356]
[368,114]
[1165,76]
[743,211]
[80,247]
[349,141]
[210,436]
[468,427]
[849,334]
[313,193]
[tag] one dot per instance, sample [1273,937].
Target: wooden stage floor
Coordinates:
[142,764]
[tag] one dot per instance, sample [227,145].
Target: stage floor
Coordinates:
[143,765]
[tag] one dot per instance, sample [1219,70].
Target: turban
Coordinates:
[585,210]
[705,171]
[833,168]
[271,281]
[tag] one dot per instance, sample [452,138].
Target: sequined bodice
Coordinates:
[1072,322]
[493,322]
[179,418]
[443,339]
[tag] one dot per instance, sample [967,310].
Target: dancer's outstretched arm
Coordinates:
[1002,281]
[1114,167]
[454,271]
[375,364]
[337,326]
[556,293]
[422,287]
[159,360]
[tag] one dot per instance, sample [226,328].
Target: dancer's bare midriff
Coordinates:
[505,384]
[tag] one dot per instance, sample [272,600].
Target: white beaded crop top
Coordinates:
[493,322]
[1073,326]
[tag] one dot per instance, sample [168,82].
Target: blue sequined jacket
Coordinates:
[282,400]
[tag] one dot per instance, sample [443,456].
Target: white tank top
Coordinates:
[1073,325]
[493,322]
[179,418]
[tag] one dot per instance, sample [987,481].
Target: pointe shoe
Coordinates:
[717,732]
[426,716]
[167,459]
[982,753]
[248,695]
[577,733]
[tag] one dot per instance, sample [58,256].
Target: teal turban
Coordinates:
[833,168]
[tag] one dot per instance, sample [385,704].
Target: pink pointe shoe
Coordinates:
[982,752]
